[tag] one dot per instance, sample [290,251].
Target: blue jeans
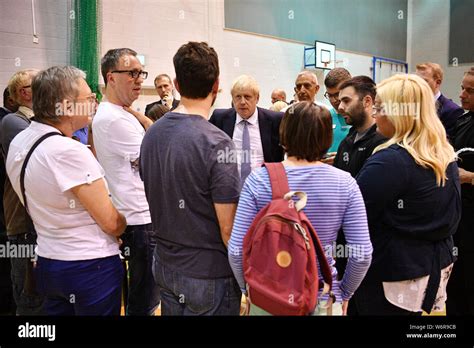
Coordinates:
[137,248]
[28,301]
[182,295]
[85,287]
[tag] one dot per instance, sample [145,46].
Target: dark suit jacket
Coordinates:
[448,112]
[268,122]
[149,106]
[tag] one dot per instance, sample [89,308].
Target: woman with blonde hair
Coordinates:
[411,190]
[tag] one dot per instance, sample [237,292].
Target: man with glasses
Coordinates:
[117,138]
[307,87]
[333,80]
[20,229]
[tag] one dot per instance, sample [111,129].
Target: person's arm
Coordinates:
[144,120]
[466,177]
[94,197]
[356,233]
[76,170]
[225,215]
[246,212]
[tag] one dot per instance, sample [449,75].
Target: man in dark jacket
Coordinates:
[448,111]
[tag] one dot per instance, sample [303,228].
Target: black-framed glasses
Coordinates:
[133,73]
[330,96]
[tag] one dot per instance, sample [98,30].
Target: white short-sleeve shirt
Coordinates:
[66,231]
[117,139]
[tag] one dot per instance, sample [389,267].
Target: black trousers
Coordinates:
[460,288]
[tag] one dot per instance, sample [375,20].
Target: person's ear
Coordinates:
[176,86]
[368,101]
[258,97]
[215,87]
[65,108]
[110,78]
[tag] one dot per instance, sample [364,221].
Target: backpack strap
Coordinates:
[278,179]
[320,253]
[25,162]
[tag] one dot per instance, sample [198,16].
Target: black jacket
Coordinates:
[448,112]
[268,122]
[351,156]
[149,106]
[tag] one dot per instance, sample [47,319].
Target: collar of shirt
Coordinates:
[26,111]
[43,127]
[252,119]
[437,95]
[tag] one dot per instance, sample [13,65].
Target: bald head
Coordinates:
[306,86]
[278,95]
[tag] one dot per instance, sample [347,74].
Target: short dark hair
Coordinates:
[306,131]
[363,86]
[157,111]
[336,76]
[110,60]
[161,76]
[197,69]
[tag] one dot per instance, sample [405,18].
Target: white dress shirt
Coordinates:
[256,149]
[117,139]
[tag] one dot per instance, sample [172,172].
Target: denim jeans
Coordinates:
[84,287]
[28,301]
[137,248]
[183,295]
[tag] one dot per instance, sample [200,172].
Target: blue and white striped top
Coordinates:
[334,201]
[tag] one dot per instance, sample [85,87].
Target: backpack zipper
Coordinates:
[296,225]
[302,231]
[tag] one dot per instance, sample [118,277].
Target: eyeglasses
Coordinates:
[92,98]
[330,96]
[133,73]
[377,109]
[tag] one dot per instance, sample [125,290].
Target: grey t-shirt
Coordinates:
[187,166]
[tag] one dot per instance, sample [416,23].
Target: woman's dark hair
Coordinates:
[306,131]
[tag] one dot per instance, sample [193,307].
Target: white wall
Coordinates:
[430,42]
[157,28]
[17,50]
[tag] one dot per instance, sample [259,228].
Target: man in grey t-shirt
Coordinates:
[192,185]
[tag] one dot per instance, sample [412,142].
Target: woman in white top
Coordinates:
[78,268]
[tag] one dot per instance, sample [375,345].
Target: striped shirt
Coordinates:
[334,202]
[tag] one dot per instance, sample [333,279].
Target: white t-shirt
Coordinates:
[66,231]
[117,139]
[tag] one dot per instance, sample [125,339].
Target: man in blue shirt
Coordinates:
[192,184]
[340,129]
